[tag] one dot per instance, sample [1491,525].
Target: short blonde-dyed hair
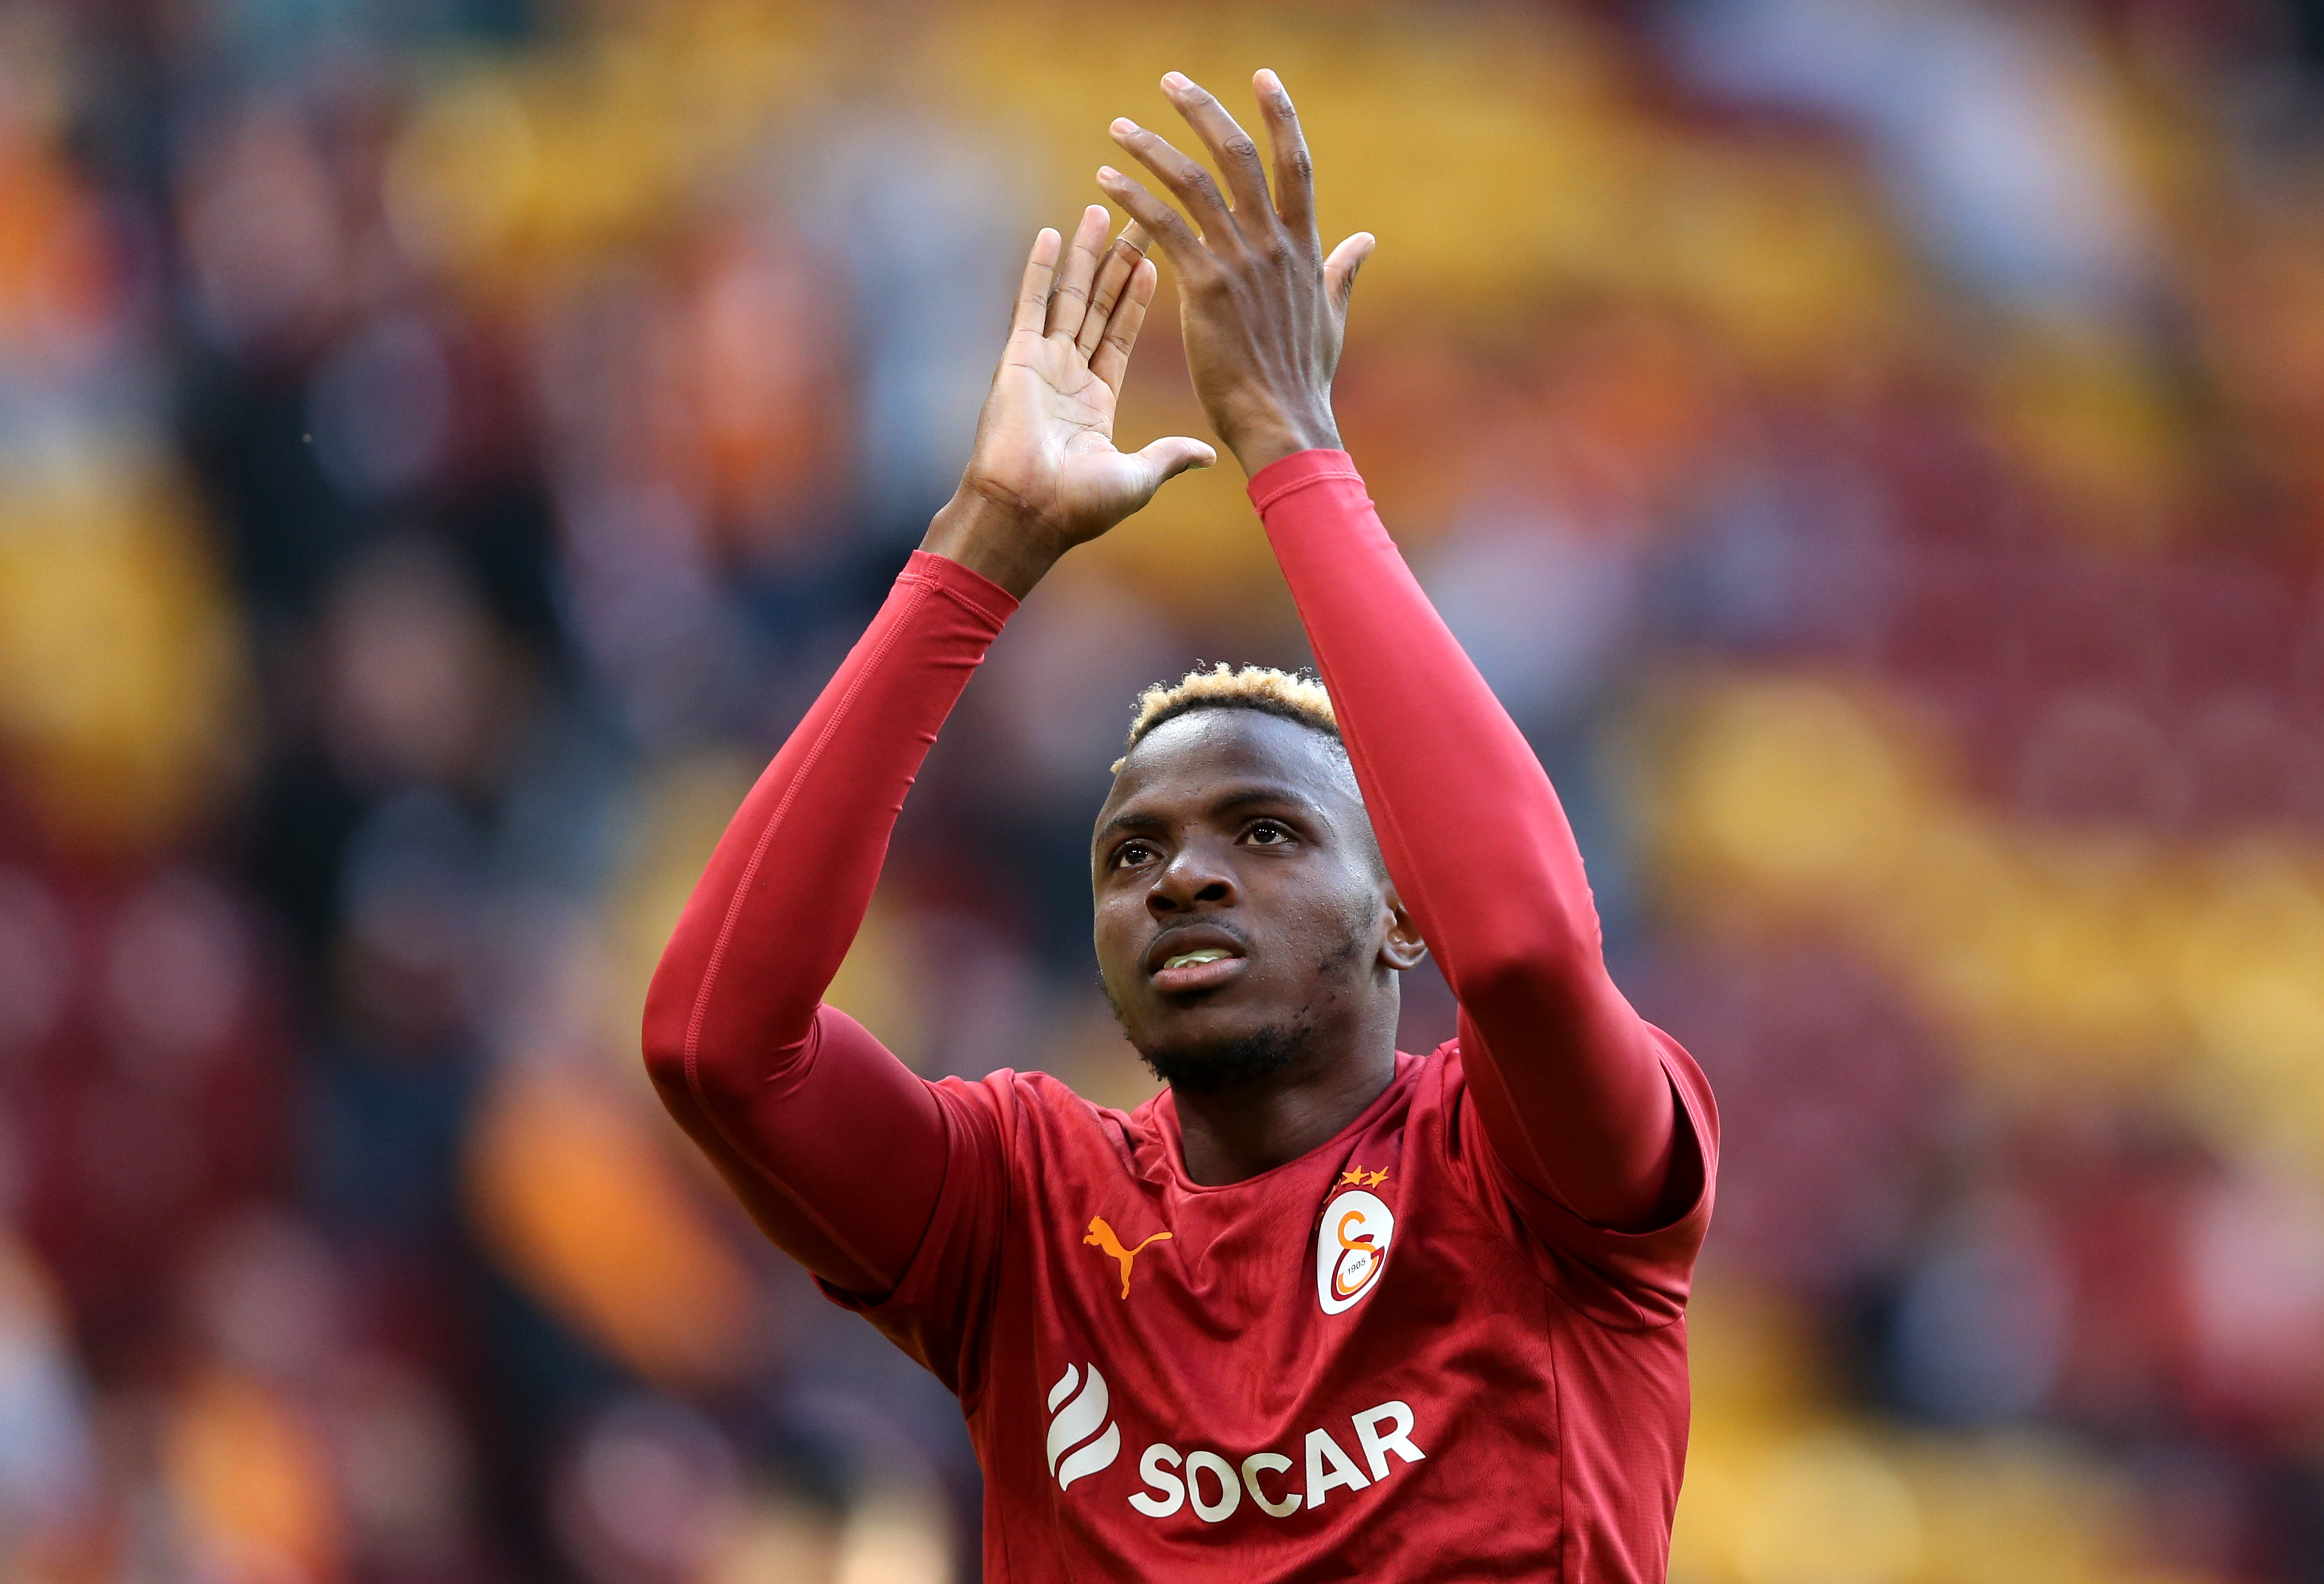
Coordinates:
[1297,696]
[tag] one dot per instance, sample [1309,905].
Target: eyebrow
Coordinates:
[1242,797]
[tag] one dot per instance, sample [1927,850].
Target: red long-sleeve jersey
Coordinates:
[1447,1343]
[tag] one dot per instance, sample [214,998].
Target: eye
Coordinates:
[1267,833]
[1131,853]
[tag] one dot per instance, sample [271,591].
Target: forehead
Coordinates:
[1176,767]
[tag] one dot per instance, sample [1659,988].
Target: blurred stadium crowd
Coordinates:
[1875,447]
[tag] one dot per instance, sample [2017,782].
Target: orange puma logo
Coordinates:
[1102,1236]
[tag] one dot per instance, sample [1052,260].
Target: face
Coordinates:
[1244,925]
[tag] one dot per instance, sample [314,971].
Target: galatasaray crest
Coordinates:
[1350,1248]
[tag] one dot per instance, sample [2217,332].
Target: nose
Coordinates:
[1194,878]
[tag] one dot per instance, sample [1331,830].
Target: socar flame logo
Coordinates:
[1076,1422]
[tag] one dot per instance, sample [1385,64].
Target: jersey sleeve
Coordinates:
[839,1152]
[1630,1280]
[1602,1126]
[938,1308]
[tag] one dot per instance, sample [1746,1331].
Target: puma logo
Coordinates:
[1102,1236]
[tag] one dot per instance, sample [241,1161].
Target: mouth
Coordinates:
[1197,958]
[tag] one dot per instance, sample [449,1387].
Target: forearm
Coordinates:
[731,1032]
[1569,1077]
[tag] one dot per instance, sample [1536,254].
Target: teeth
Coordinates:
[1207,955]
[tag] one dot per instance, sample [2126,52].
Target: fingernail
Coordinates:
[1123,126]
[1108,173]
[1175,80]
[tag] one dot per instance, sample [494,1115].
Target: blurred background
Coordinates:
[1875,447]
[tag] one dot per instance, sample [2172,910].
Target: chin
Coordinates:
[1211,1063]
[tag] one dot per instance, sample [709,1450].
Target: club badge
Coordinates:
[1351,1244]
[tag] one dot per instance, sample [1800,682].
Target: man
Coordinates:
[1320,1310]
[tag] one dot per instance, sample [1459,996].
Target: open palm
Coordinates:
[1045,448]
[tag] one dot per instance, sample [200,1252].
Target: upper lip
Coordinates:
[1191,937]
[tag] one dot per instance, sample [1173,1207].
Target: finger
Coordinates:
[1230,145]
[1188,182]
[1168,228]
[1033,292]
[1113,272]
[1295,169]
[1168,458]
[1340,269]
[1069,303]
[1110,361]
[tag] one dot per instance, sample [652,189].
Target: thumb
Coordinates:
[1166,459]
[1340,269]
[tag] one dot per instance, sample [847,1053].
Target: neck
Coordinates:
[1230,1134]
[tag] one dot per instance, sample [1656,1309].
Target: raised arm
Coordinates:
[838,1151]
[1572,1086]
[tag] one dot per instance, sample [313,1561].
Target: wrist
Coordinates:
[1263,441]
[995,541]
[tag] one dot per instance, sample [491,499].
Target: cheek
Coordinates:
[1330,931]
[1118,929]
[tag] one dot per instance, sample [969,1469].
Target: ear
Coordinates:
[1404,948]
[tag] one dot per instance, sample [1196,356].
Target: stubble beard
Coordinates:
[1244,1060]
